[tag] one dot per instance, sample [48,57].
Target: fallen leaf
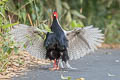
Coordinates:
[108,53]
[117,61]
[65,77]
[111,75]
[4,77]
[80,79]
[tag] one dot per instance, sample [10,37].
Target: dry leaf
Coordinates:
[80,79]
[117,61]
[111,75]
[15,69]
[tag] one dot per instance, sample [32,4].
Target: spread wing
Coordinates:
[30,39]
[83,41]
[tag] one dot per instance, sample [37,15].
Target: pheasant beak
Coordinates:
[55,14]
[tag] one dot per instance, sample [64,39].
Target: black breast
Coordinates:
[56,43]
[53,47]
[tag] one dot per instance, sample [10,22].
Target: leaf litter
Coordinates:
[18,63]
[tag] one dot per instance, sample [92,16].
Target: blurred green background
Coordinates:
[104,14]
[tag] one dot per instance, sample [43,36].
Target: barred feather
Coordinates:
[29,39]
[83,41]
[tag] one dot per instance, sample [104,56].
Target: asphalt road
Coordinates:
[104,64]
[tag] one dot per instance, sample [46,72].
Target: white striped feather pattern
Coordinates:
[78,47]
[24,35]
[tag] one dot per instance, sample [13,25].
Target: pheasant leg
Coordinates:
[55,66]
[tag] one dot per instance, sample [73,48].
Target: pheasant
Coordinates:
[59,45]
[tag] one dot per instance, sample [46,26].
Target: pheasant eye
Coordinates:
[55,14]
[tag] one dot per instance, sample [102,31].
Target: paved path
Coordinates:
[104,64]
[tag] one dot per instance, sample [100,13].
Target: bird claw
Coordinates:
[54,68]
[72,68]
[68,65]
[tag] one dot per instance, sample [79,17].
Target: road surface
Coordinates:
[104,64]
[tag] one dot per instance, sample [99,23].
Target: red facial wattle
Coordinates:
[55,14]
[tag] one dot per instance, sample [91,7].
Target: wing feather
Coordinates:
[29,39]
[83,41]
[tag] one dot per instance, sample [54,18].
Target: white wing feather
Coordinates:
[28,39]
[83,41]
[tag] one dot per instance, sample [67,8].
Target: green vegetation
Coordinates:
[7,45]
[104,14]
[72,13]
[100,13]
